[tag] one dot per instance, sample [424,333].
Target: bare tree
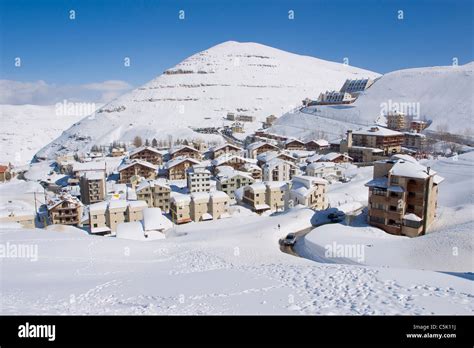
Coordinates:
[137,141]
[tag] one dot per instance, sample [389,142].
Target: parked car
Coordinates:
[290,239]
[336,217]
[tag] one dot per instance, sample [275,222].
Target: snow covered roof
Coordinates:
[309,180]
[152,183]
[153,219]
[127,164]
[277,161]
[219,195]
[180,198]
[251,167]
[319,142]
[289,141]
[141,148]
[178,160]
[98,207]
[269,155]
[276,185]
[219,147]
[206,216]
[118,204]
[410,170]
[226,157]
[183,147]
[88,166]
[65,197]
[94,175]
[259,144]
[376,130]
[258,187]
[407,158]
[200,197]
[137,204]
[378,182]
[130,230]
[227,172]
[261,206]
[318,165]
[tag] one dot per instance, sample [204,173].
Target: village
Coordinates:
[141,189]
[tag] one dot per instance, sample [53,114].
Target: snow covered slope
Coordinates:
[25,129]
[244,78]
[441,94]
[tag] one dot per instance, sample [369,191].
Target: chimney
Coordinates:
[349,139]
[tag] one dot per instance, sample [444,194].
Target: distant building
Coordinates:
[156,193]
[403,196]
[177,168]
[104,217]
[184,151]
[414,140]
[255,197]
[334,97]
[309,191]
[147,154]
[294,144]
[237,127]
[225,149]
[317,145]
[269,121]
[418,126]
[270,155]
[253,170]
[117,152]
[198,179]
[24,217]
[325,170]
[231,116]
[257,148]
[396,121]
[356,86]
[92,186]
[127,170]
[80,168]
[334,157]
[246,118]
[65,210]
[266,196]
[199,206]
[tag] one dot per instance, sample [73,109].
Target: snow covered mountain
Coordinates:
[244,78]
[443,95]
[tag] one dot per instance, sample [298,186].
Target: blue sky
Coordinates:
[92,47]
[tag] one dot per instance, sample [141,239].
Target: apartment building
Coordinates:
[335,97]
[65,210]
[294,144]
[180,208]
[104,217]
[356,86]
[177,168]
[235,161]
[147,154]
[414,140]
[309,191]
[92,187]
[137,168]
[265,157]
[257,148]
[325,170]
[266,196]
[279,170]
[184,151]
[156,193]
[198,179]
[254,170]
[255,196]
[225,149]
[403,196]
[418,125]
[228,180]
[317,145]
[397,121]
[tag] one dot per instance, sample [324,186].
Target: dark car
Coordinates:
[290,239]
[336,217]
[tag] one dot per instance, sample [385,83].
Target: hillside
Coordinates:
[441,94]
[244,78]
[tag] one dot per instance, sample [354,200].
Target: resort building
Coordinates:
[138,168]
[184,151]
[309,191]
[65,210]
[279,170]
[396,121]
[325,170]
[317,145]
[403,196]
[180,208]
[177,168]
[228,180]
[156,193]
[294,144]
[198,179]
[147,154]
[225,149]
[92,187]
[257,148]
[356,86]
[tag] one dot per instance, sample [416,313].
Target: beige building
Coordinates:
[180,208]
[389,141]
[156,193]
[254,170]
[92,186]
[396,121]
[414,140]
[235,161]
[403,196]
[140,168]
[199,206]
[266,196]
[116,213]
[279,170]
[255,197]
[294,144]
[97,218]
[219,205]
[104,217]
[229,180]
[325,170]
[65,210]
[309,191]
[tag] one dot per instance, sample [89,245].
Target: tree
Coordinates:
[147,142]
[154,142]
[137,141]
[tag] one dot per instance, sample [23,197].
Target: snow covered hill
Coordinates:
[441,94]
[244,78]
[25,129]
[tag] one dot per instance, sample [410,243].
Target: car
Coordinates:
[336,217]
[290,239]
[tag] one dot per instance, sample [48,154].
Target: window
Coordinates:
[411,194]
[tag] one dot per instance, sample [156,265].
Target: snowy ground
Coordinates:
[25,129]
[235,266]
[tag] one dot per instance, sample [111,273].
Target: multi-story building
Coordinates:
[254,170]
[219,205]
[156,193]
[418,125]
[134,210]
[180,208]
[403,196]
[24,217]
[325,170]
[414,140]
[356,86]
[277,195]
[334,97]
[177,168]
[389,141]
[396,121]
[98,218]
[5,174]
[65,210]
[317,145]
[269,155]
[294,144]
[229,180]
[92,186]
[137,168]
[198,179]
[199,206]
[269,121]
[279,170]
[225,149]
[309,191]
[255,196]
[184,151]
[257,148]
[116,213]
[104,217]
[235,161]
[147,154]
